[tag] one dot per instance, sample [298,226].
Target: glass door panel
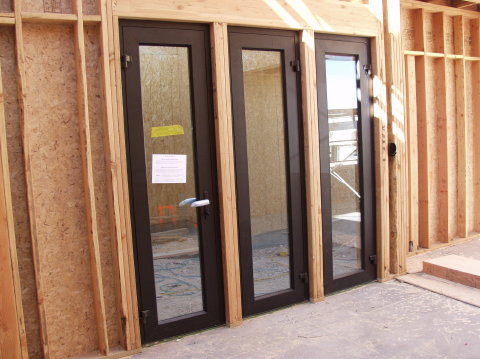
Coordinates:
[268,167]
[172,177]
[342,100]
[168,130]
[345,161]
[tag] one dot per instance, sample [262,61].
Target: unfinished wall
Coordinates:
[442,57]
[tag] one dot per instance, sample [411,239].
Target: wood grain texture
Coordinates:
[312,165]
[411,105]
[18,190]
[226,173]
[352,19]
[394,62]
[26,140]
[13,343]
[88,179]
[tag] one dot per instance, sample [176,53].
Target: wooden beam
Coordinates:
[476,124]
[380,136]
[461,128]
[132,319]
[423,142]
[88,179]
[442,148]
[226,173]
[411,105]
[351,19]
[312,165]
[13,339]
[111,160]
[26,133]
[397,134]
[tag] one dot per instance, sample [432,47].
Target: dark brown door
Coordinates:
[268,164]
[346,161]
[170,142]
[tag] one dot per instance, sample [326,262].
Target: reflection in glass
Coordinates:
[344,166]
[165,85]
[265,127]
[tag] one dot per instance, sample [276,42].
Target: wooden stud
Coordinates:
[226,173]
[22,98]
[476,123]
[397,134]
[13,340]
[442,149]
[380,136]
[112,169]
[423,142]
[461,129]
[312,165]
[88,179]
[411,105]
[132,319]
[116,165]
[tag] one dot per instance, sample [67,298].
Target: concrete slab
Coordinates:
[378,320]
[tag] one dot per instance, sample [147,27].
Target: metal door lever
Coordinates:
[201,203]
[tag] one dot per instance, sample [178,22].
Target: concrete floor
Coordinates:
[389,320]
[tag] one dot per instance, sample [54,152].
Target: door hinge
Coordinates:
[303,277]
[144,314]
[373,259]
[368,69]
[295,65]
[125,60]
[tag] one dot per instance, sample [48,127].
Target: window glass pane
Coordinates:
[342,90]
[267,179]
[168,129]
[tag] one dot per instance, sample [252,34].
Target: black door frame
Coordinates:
[196,38]
[287,43]
[359,47]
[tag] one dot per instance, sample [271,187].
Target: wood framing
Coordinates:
[13,341]
[397,136]
[226,173]
[312,165]
[80,111]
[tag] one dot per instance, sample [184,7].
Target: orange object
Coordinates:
[171,210]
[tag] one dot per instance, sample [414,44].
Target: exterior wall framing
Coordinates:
[100,259]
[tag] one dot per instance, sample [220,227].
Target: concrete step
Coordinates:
[457,269]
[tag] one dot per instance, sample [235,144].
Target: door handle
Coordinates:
[187,201]
[201,203]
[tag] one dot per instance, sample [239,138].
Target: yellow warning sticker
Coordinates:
[163,131]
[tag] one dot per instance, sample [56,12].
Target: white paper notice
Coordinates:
[169,168]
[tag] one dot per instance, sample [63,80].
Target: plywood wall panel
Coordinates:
[449,35]
[50,6]
[451,147]
[467,38]
[92,52]
[90,7]
[6,6]
[19,200]
[57,191]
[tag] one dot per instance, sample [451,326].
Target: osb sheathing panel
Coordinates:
[6,6]
[105,237]
[57,188]
[408,34]
[90,7]
[469,116]
[55,6]
[449,35]
[19,199]
[451,147]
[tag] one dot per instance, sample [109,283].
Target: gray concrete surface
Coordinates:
[389,320]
